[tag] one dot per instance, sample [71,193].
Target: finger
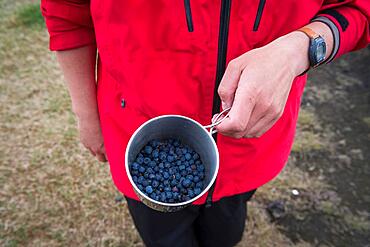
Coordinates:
[239,115]
[229,83]
[91,151]
[101,157]
[263,125]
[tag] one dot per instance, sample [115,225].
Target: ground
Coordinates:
[54,194]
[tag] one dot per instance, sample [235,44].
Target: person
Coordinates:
[195,58]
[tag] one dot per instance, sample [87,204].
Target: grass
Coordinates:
[29,16]
[54,194]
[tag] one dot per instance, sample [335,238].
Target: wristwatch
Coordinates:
[317,48]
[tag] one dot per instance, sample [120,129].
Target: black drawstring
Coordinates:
[189,18]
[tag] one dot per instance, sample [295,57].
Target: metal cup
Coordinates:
[189,132]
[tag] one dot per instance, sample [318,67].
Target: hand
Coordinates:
[91,136]
[256,85]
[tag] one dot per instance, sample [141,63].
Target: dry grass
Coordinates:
[53,193]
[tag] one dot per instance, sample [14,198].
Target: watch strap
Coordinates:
[309,32]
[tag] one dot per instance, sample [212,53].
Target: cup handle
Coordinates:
[216,120]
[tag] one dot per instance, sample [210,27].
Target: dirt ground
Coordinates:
[54,194]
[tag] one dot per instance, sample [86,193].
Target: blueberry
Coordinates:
[190,177]
[134,178]
[201,175]
[171,200]
[152,164]
[140,180]
[169,194]
[184,151]
[190,193]
[141,169]
[166,183]
[140,187]
[200,167]
[166,189]
[135,166]
[134,172]
[148,189]
[183,173]
[140,160]
[170,158]
[196,156]
[153,195]
[151,176]
[196,179]
[197,191]
[199,185]
[172,170]
[155,153]
[146,174]
[191,162]
[167,165]
[175,195]
[161,165]
[158,177]
[187,156]
[175,189]
[163,197]
[145,183]
[147,160]
[150,170]
[182,167]
[148,149]
[156,168]
[173,182]
[186,183]
[155,183]
[177,176]
[162,156]
[186,198]
[166,175]
[193,167]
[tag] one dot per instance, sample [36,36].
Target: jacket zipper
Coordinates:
[189,18]
[220,70]
[257,21]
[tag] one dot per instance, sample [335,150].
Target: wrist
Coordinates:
[297,46]
[86,113]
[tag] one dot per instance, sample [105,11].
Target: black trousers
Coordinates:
[222,224]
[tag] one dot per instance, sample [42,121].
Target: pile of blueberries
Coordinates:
[168,171]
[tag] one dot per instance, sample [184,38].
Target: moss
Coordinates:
[366,120]
[307,141]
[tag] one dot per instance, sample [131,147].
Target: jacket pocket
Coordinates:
[257,21]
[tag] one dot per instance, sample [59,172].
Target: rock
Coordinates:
[276,209]
[342,142]
[118,198]
[357,154]
[344,159]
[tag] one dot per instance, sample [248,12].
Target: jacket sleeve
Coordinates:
[349,21]
[69,23]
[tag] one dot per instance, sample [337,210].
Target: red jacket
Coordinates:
[160,59]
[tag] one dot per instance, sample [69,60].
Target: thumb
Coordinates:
[229,83]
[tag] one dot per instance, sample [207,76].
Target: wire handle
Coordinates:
[216,120]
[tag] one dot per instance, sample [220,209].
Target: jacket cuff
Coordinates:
[71,39]
[352,26]
[336,35]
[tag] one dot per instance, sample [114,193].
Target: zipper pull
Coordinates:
[189,18]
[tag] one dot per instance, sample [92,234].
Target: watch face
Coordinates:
[320,48]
